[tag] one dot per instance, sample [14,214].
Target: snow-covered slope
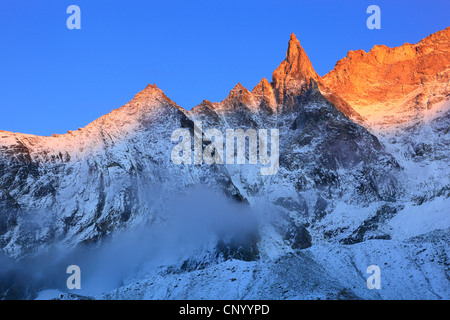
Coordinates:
[390,87]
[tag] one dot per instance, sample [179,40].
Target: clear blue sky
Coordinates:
[53,79]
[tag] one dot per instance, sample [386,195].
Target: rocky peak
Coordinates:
[263,87]
[294,50]
[238,96]
[151,91]
[293,75]
[238,90]
[146,103]
[205,107]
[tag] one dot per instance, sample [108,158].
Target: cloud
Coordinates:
[191,225]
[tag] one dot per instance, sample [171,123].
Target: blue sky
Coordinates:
[53,79]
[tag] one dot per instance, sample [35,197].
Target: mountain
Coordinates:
[402,94]
[344,196]
[394,86]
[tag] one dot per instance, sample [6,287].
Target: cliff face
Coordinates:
[294,75]
[391,86]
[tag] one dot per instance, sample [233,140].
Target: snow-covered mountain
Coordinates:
[351,190]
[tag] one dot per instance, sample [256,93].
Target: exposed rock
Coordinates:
[391,86]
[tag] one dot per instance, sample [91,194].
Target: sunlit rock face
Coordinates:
[394,86]
[350,177]
[293,76]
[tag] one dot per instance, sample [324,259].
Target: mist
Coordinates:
[191,226]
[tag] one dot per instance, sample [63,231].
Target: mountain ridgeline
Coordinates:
[349,143]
